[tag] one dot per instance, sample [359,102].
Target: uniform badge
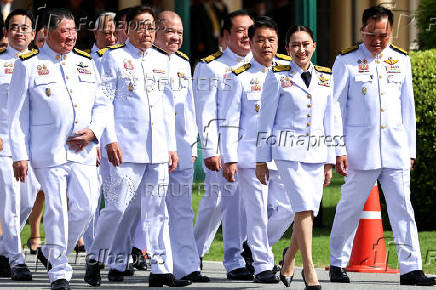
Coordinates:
[363,66]
[48,92]
[181,75]
[42,70]
[159,71]
[128,64]
[256,108]
[393,69]
[364,90]
[286,82]
[83,69]
[391,61]
[9,67]
[131,87]
[255,85]
[323,81]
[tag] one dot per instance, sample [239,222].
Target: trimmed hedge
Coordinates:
[425,15]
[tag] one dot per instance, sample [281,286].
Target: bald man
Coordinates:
[169,37]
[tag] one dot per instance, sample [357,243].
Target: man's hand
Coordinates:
[194,158]
[229,171]
[98,157]
[20,170]
[81,139]
[213,163]
[114,154]
[327,174]
[173,160]
[1,144]
[342,165]
[412,163]
[262,172]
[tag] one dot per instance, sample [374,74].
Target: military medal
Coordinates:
[42,70]
[364,66]
[82,68]
[391,61]
[256,108]
[47,92]
[128,64]
[323,81]
[9,67]
[181,75]
[158,71]
[364,90]
[131,87]
[286,82]
[255,85]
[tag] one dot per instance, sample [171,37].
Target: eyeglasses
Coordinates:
[22,28]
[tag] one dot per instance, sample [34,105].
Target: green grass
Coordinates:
[320,247]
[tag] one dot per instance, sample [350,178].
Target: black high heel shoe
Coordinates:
[285,279]
[29,245]
[313,287]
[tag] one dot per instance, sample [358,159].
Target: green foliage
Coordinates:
[423,185]
[426,18]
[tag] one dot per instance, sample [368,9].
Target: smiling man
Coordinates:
[55,128]
[373,85]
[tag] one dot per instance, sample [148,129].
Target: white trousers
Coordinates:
[16,203]
[304,184]
[63,226]
[181,216]
[149,182]
[354,193]
[225,195]
[255,196]
[280,214]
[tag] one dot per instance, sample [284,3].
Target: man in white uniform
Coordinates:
[373,85]
[15,203]
[169,37]
[220,194]
[56,128]
[140,145]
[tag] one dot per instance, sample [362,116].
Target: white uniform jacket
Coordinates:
[7,60]
[241,103]
[376,98]
[142,104]
[209,78]
[186,126]
[51,97]
[296,122]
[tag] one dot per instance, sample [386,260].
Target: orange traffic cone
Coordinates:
[369,248]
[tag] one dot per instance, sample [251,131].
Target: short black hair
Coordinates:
[54,16]
[18,12]
[262,21]
[134,11]
[41,19]
[296,28]
[228,20]
[120,14]
[377,12]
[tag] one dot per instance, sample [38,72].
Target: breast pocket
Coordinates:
[359,100]
[46,101]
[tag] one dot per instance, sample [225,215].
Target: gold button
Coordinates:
[374,55]
[71,91]
[309,96]
[65,57]
[58,57]
[75,105]
[67,77]
[309,105]
[63,63]
[308,124]
[75,122]
[382,93]
[380,77]
[382,109]
[151,106]
[309,115]
[377,61]
[152,123]
[307,134]
[383,126]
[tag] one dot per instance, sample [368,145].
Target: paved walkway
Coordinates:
[214,270]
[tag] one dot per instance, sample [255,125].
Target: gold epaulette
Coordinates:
[160,50]
[212,57]
[182,55]
[82,53]
[399,49]
[2,50]
[118,45]
[279,68]
[348,50]
[323,69]
[29,54]
[102,51]
[241,69]
[283,56]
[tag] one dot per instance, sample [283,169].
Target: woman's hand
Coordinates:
[327,174]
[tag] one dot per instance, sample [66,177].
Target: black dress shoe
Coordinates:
[139,260]
[130,271]
[312,287]
[21,273]
[158,280]
[40,256]
[417,278]
[115,276]
[287,280]
[196,277]
[92,274]
[266,277]
[60,284]
[338,275]
[283,256]
[248,257]
[241,274]
[5,268]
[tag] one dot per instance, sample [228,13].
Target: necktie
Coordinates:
[306,77]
